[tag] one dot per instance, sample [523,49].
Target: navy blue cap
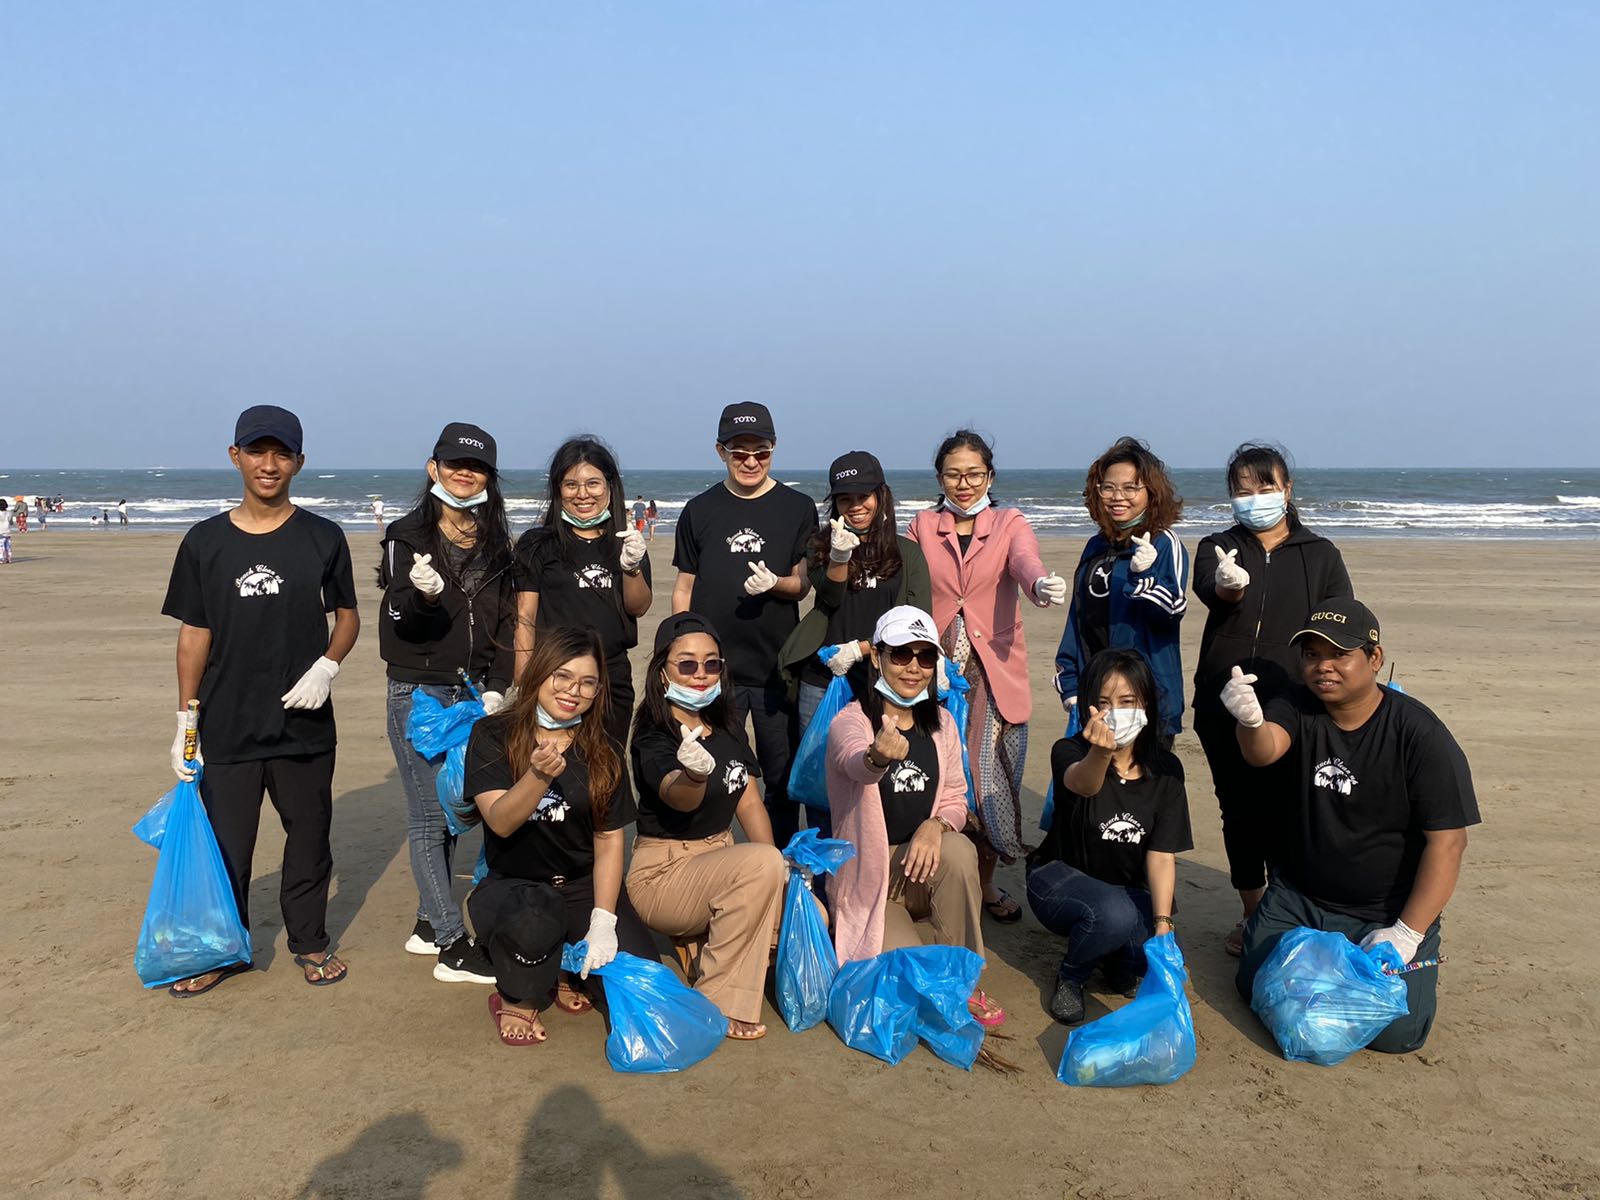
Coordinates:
[263,421]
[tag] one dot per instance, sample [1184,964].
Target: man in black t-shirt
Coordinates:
[252,588]
[1378,820]
[741,559]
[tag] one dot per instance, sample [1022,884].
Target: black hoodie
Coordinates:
[425,641]
[1253,632]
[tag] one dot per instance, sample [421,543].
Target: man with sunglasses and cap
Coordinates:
[741,560]
[252,587]
[1377,824]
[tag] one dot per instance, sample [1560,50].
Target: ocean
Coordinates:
[1436,503]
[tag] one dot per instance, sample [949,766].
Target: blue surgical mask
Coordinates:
[895,698]
[1131,522]
[590,523]
[1125,724]
[1261,511]
[444,497]
[546,721]
[687,697]
[977,506]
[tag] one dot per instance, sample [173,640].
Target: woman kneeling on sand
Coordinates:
[899,794]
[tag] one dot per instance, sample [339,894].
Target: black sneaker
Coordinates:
[1066,1005]
[1121,983]
[421,939]
[463,961]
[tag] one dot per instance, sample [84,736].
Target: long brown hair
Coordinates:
[1165,505]
[553,649]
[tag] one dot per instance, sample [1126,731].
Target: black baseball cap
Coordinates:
[856,471]
[748,419]
[680,624]
[260,422]
[1344,621]
[459,442]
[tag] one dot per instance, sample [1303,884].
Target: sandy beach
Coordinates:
[393,1085]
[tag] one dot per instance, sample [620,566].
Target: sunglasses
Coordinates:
[901,656]
[693,666]
[759,456]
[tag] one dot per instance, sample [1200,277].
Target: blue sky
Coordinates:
[1366,230]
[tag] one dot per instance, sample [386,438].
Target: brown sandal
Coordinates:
[1233,944]
[536,1030]
[753,1036]
[572,1001]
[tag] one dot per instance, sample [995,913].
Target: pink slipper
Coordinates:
[985,1011]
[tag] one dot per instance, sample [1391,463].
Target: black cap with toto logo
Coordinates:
[268,422]
[461,442]
[854,473]
[748,419]
[1344,621]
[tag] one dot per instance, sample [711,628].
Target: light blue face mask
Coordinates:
[1261,511]
[687,697]
[438,492]
[895,698]
[590,523]
[1131,522]
[977,506]
[546,721]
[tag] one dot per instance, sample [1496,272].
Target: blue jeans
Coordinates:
[427,833]
[1101,921]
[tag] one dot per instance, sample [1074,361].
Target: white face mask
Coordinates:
[1126,724]
[895,698]
[978,505]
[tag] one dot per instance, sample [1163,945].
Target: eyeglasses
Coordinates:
[901,656]
[691,666]
[756,456]
[564,681]
[589,487]
[970,478]
[1109,490]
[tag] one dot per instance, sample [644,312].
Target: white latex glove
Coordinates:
[492,703]
[424,578]
[1239,698]
[602,939]
[185,770]
[1051,588]
[1230,575]
[849,654]
[1399,935]
[842,541]
[761,579]
[314,686]
[693,757]
[1144,554]
[632,554]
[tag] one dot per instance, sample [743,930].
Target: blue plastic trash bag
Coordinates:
[808,776]
[882,1005]
[806,961]
[1324,997]
[480,872]
[439,731]
[1048,815]
[1148,1040]
[954,698]
[191,922]
[657,1023]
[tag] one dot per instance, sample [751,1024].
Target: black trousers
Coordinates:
[1253,800]
[522,926]
[620,672]
[301,789]
[774,721]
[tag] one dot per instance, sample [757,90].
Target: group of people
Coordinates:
[1344,802]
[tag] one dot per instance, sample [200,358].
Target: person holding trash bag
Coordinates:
[1378,813]
[1257,580]
[1105,875]
[979,555]
[860,568]
[741,558]
[252,587]
[449,598]
[695,774]
[899,795]
[585,566]
[1131,587]
[549,780]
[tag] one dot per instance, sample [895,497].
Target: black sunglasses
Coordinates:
[692,666]
[901,656]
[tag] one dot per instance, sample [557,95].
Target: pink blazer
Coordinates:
[859,890]
[1003,556]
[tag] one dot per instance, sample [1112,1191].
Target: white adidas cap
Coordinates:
[904,624]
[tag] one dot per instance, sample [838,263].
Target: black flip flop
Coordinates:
[224,973]
[301,961]
[998,911]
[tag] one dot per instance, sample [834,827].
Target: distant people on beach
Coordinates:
[639,513]
[651,516]
[122,512]
[377,510]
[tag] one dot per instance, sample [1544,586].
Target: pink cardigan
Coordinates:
[860,890]
[1003,556]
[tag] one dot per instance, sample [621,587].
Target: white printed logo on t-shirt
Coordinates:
[593,577]
[908,777]
[1331,773]
[735,776]
[746,541]
[552,808]
[1124,827]
[259,580]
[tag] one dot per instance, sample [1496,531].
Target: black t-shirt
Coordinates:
[909,786]
[854,620]
[655,756]
[465,564]
[585,592]
[1364,799]
[1108,835]
[265,598]
[557,839]
[719,536]
[1094,603]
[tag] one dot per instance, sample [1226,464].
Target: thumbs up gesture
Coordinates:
[1230,575]
[1144,554]
[424,578]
